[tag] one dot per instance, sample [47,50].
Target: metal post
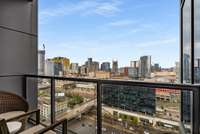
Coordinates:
[195,111]
[24,83]
[53,100]
[99,109]
[38,117]
[64,127]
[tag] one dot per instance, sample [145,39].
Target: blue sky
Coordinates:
[110,29]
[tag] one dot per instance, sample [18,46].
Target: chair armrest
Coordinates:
[37,112]
[51,127]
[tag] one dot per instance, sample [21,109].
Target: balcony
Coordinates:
[95,105]
[112,106]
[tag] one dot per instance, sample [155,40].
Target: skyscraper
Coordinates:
[115,67]
[41,62]
[134,64]
[74,67]
[105,66]
[89,64]
[49,68]
[92,66]
[145,67]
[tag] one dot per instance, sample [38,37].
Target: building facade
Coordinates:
[105,66]
[130,98]
[145,67]
[41,62]
[49,68]
[115,67]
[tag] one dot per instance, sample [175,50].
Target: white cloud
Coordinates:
[84,7]
[122,23]
[158,42]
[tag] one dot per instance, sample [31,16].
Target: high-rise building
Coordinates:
[58,69]
[115,67]
[49,68]
[74,68]
[134,64]
[92,66]
[62,60]
[105,66]
[41,62]
[95,66]
[89,64]
[83,70]
[145,67]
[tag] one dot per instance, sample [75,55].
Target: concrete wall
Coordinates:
[18,45]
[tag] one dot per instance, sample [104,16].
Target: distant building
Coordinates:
[49,68]
[83,70]
[58,69]
[105,66]
[145,67]
[156,68]
[130,98]
[41,62]
[102,75]
[163,76]
[62,60]
[115,67]
[74,68]
[134,64]
[123,71]
[95,66]
[92,66]
[89,64]
[133,72]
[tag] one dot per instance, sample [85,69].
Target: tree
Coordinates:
[134,120]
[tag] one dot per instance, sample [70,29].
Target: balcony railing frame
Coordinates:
[194,88]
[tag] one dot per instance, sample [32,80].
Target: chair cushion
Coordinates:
[36,128]
[10,115]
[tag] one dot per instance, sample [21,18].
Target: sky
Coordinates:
[110,29]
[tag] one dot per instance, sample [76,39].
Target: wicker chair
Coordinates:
[38,128]
[12,105]
[12,102]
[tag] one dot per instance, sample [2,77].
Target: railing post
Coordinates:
[99,108]
[64,127]
[24,83]
[195,111]
[38,117]
[53,100]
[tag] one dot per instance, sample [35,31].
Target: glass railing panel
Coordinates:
[76,101]
[136,110]
[44,100]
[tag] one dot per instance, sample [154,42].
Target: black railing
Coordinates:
[99,82]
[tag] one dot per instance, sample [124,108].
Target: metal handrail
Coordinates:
[194,88]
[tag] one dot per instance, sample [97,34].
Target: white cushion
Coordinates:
[14,126]
[10,115]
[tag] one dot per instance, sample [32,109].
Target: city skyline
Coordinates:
[110,29]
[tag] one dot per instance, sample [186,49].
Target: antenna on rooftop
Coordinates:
[43,46]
